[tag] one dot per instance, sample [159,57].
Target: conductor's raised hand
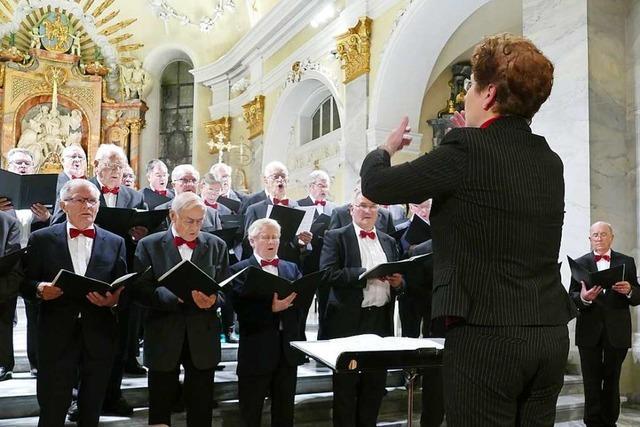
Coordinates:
[202,300]
[458,120]
[623,287]
[589,294]
[108,300]
[399,138]
[278,305]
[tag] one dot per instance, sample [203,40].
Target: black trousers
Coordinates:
[322,296]
[432,397]
[279,384]
[58,375]
[503,376]
[601,367]
[414,312]
[357,396]
[197,392]
[32,310]
[7,313]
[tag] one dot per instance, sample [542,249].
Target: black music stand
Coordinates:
[371,352]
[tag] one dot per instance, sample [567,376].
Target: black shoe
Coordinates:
[5,374]
[220,367]
[134,368]
[230,338]
[120,408]
[72,412]
[33,372]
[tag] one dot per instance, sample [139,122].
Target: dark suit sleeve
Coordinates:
[333,259]
[33,269]
[147,293]
[10,283]
[249,218]
[437,172]
[631,273]
[120,268]
[335,220]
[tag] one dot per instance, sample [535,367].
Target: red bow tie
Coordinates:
[604,257]
[284,202]
[78,177]
[179,241]
[211,205]
[106,190]
[369,234]
[320,202]
[161,192]
[274,262]
[89,232]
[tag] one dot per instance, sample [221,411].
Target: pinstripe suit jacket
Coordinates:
[498,208]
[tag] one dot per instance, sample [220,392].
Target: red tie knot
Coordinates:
[320,202]
[213,205]
[107,190]
[283,202]
[161,192]
[274,262]
[604,257]
[179,241]
[89,232]
[369,234]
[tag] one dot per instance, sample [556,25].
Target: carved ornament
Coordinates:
[253,114]
[218,130]
[353,49]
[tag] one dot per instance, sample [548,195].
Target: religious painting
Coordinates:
[55,32]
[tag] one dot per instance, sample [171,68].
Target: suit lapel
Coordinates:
[352,246]
[96,248]
[171,253]
[387,247]
[61,236]
[122,198]
[200,252]
[94,181]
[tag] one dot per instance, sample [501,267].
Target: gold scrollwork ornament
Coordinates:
[353,49]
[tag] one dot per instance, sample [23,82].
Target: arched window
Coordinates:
[176,114]
[326,119]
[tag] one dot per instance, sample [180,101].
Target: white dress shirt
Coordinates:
[268,268]
[25,218]
[80,250]
[109,198]
[377,292]
[185,251]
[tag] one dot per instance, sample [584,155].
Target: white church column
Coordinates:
[354,131]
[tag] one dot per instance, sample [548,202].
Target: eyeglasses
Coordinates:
[113,166]
[602,234]
[267,238]
[75,157]
[278,176]
[320,185]
[186,180]
[365,206]
[21,162]
[89,202]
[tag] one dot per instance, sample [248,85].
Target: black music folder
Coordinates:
[260,283]
[604,278]
[8,261]
[120,220]
[26,190]
[419,231]
[234,205]
[320,225]
[289,220]
[185,277]
[232,221]
[389,268]
[229,235]
[369,351]
[77,286]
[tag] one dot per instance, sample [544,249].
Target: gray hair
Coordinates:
[273,166]
[258,225]
[73,148]
[357,192]
[73,184]
[187,200]
[15,151]
[217,166]
[318,175]
[153,163]
[181,170]
[209,179]
[107,150]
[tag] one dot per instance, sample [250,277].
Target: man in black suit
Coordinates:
[178,332]
[21,161]
[359,306]
[158,177]
[210,189]
[498,208]
[9,285]
[341,217]
[222,173]
[267,364]
[184,179]
[74,335]
[603,329]
[276,180]
[74,166]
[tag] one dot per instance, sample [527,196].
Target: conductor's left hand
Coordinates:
[203,300]
[399,138]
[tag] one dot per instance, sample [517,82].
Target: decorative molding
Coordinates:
[253,114]
[353,49]
[298,68]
